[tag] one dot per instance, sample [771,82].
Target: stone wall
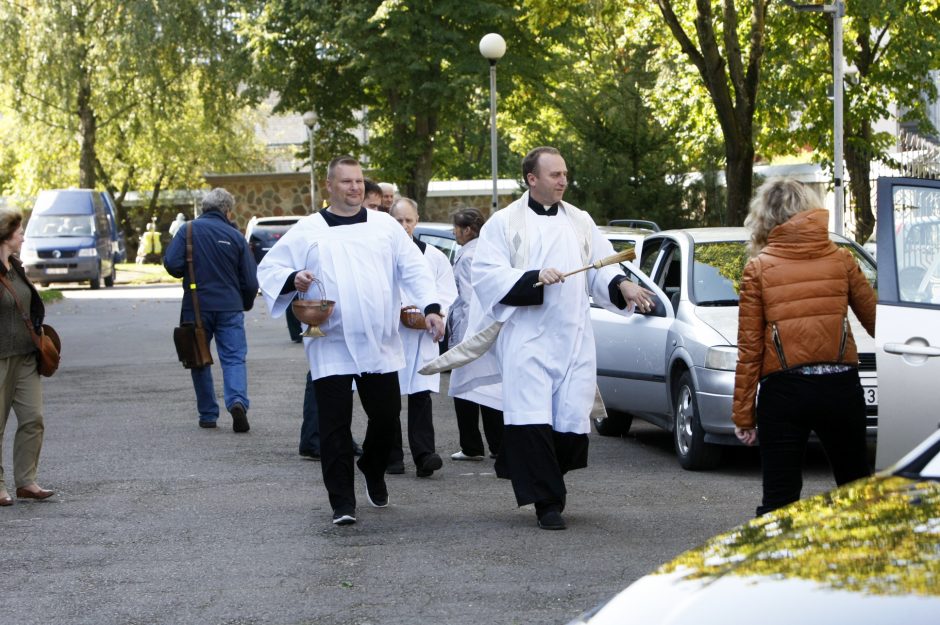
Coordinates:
[265,195]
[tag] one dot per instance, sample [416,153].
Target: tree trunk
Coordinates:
[155,196]
[88,125]
[423,166]
[739,177]
[859,169]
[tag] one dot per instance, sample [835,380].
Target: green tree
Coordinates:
[623,159]
[727,57]
[121,93]
[893,45]
[413,66]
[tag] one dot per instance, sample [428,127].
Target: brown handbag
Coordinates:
[48,345]
[192,346]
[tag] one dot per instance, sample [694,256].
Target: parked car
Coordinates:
[440,235]
[865,553]
[908,320]
[635,223]
[623,238]
[263,232]
[69,238]
[674,367]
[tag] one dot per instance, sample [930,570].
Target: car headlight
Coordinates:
[723,357]
[88,251]
[28,255]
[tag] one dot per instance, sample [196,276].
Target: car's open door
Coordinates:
[907,331]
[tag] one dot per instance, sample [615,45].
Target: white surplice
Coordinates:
[364,267]
[546,352]
[462,379]
[419,345]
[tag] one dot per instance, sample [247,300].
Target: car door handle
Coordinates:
[913,350]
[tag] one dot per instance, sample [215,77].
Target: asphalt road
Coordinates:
[158,521]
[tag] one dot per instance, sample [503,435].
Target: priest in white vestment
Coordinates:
[362,260]
[420,349]
[545,348]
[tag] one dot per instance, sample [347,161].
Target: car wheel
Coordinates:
[95,283]
[693,452]
[615,424]
[109,280]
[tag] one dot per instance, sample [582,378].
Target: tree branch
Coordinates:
[665,7]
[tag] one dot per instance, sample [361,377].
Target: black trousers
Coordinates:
[536,458]
[420,430]
[381,401]
[789,407]
[294,328]
[468,420]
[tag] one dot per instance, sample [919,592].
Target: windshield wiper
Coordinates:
[718,302]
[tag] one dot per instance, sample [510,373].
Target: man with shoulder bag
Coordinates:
[219,284]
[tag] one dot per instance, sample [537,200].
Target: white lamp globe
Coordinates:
[310,119]
[492,46]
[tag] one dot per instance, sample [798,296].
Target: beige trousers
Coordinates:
[21,390]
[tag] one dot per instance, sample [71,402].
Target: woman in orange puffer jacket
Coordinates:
[794,339]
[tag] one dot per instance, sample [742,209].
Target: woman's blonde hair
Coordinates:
[774,203]
[10,220]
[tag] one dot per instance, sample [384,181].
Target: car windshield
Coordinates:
[60,226]
[622,244]
[719,265]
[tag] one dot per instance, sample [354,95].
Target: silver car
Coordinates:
[908,321]
[674,367]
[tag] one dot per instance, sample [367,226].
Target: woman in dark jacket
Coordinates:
[20,388]
[794,339]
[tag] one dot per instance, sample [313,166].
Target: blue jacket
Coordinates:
[226,274]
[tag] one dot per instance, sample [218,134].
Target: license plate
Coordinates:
[871,395]
[57,270]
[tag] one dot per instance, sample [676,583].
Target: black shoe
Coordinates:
[239,418]
[344,518]
[551,520]
[395,468]
[431,463]
[313,455]
[376,491]
[357,450]
[207,424]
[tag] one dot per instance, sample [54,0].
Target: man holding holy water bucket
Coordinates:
[355,263]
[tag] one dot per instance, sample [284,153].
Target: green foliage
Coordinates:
[893,45]
[129,95]
[412,65]
[50,295]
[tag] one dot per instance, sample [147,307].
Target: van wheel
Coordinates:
[109,280]
[95,283]
[693,452]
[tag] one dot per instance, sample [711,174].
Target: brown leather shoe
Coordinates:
[6,500]
[42,493]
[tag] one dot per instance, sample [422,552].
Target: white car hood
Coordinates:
[723,319]
[732,600]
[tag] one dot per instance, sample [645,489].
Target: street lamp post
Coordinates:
[837,10]
[310,121]
[493,47]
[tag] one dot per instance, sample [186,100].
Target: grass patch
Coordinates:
[132,273]
[50,295]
